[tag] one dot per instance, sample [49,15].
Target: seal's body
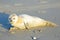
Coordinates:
[26,22]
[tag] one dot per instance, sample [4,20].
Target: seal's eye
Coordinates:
[9,19]
[13,18]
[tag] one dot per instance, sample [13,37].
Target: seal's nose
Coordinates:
[10,20]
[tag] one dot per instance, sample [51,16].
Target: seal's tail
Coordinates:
[50,24]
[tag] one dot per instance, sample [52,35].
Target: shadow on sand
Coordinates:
[4,21]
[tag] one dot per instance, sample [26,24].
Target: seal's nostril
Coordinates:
[10,20]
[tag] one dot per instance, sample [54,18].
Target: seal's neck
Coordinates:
[20,20]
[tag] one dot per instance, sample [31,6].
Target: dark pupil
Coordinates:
[13,18]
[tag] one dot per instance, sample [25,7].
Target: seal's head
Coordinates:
[13,18]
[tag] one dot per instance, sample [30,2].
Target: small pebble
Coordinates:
[34,38]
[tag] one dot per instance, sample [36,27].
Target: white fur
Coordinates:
[30,21]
